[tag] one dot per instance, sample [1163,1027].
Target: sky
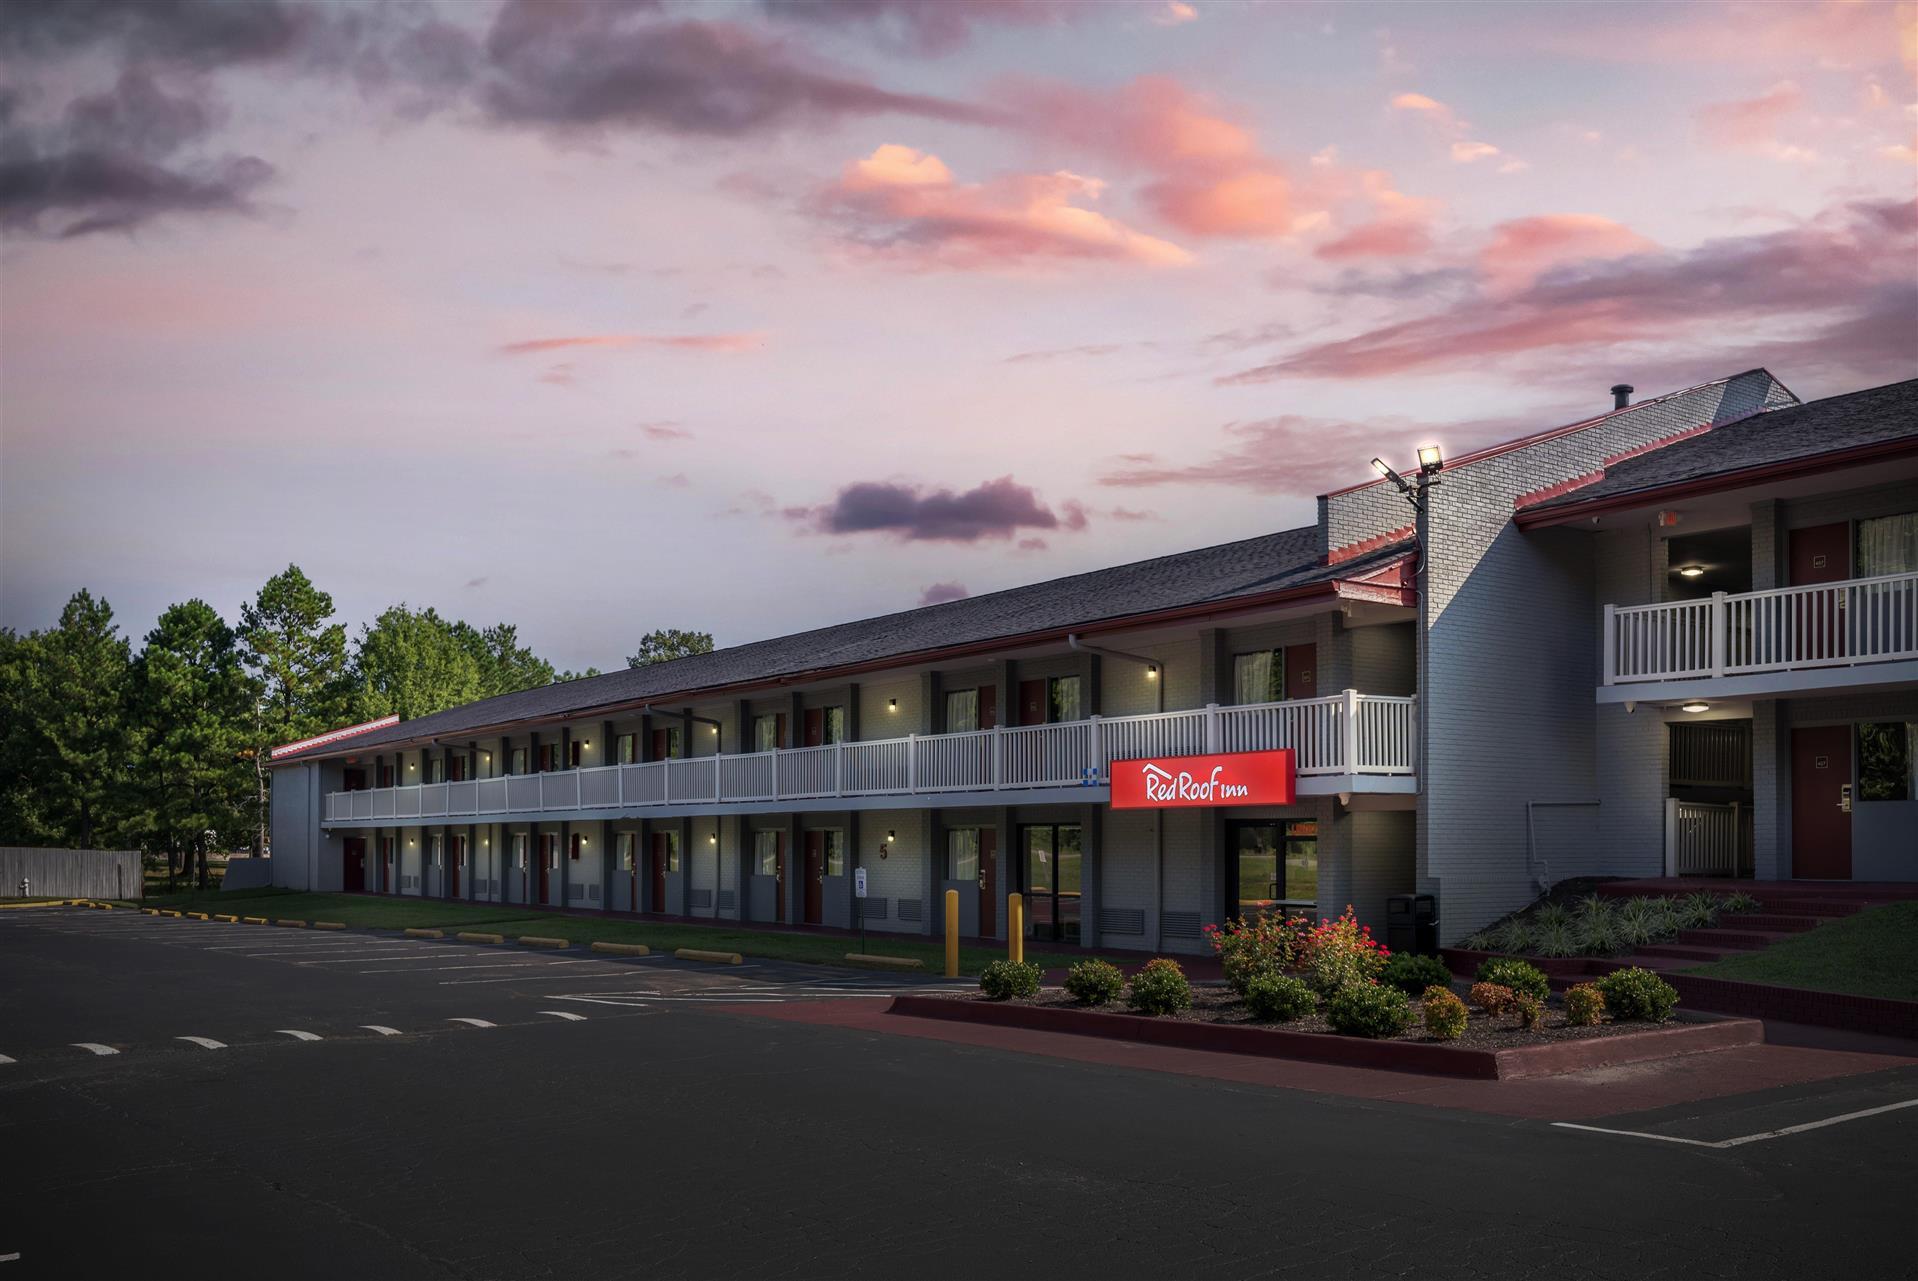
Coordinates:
[604,317]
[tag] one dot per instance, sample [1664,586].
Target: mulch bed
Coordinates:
[1221,1005]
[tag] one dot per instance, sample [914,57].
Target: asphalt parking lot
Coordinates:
[194,1098]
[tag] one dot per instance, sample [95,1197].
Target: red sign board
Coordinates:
[1181,782]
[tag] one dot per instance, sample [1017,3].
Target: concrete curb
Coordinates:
[329,925]
[415,932]
[717,958]
[479,937]
[230,920]
[175,913]
[294,925]
[624,949]
[869,961]
[254,920]
[535,940]
[145,911]
[198,916]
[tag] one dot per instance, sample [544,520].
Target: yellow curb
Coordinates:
[230,920]
[15,907]
[172,912]
[199,916]
[416,933]
[253,920]
[873,962]
[624,949]
[717,958]
[329,925]
[298,925]
[145,911]
[535,940]
[476,937]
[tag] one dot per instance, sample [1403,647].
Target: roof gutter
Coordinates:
[1333,588]
[1717,482]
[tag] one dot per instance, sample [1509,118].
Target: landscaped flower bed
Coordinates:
[1600,925]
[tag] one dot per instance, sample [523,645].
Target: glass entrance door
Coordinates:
[1053,863]
[1275,868]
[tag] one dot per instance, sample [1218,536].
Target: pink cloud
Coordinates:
[1752,124]
[1386,238]
[940,593]
[672,342]
[1524,247]
[664,431]
[905,205]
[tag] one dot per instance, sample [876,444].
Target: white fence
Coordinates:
[1707,840]
[1348,733]
[1861,620]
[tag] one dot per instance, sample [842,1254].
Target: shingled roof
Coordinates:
[1835,425]
[1252,567]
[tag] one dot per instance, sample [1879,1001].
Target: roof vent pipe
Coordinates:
[1622,395]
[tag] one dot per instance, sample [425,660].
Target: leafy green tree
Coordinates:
[505,665]
[64,698]
[414,662]
[192,700]
[299,660]
[669,643]
[22,821]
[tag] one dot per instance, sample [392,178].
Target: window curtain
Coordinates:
[1888,545]
[1260,676]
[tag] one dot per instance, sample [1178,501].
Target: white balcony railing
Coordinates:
[1347,733]
[1843,624]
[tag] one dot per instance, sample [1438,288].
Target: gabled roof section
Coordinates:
[1279,566]
[1807,436]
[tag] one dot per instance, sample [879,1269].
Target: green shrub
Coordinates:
[1530,1010]
[1159,988]
[1559,940]
[1584,1005]
[1701,909]
[1493,998]
[1514,935]
[1445,1014]
[1638,994]
[1279,998]
[1413,974]
[1509,971]
[1094,982]
[1248,947]
[1003,980]
[1369,1009]
[1741,902]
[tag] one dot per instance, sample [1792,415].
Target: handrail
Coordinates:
[1345,733]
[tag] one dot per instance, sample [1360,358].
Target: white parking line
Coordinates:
[350,958]
[563,1014]
[296,1034]
[494,965]
[570,977]
[204,1042]
[473,1022]
[94,1047]
[1743,1139]
[381,1028]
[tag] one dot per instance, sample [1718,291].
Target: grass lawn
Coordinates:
[392,914]
[1874,953]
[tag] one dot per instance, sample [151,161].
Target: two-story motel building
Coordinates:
[1677,637]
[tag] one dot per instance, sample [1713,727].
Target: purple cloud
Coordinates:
[940,593]
[995,509]
[926,27]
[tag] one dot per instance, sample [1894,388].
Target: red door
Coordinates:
[662,741]
[548,849]
[453,865]
[1820,819]
[988,879]
[1301,671]
[988,707]
[1032,702]
[815,874]
[815,727]
[779,875]
[353,863]
[1820,554]
[662,846]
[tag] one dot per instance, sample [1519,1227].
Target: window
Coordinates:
[519,850]
[766,733]
[1888,545]
[628,850]
[835,842]
[436,770]
[766,852]
[834,727]
[1888,761]
[1275,867]
[572,753]
[1259,677]
[519,764]
[628,751]
[962,710]
[672,850]
[669,743]
[579,839]
[1063,693]
[962,854]
[438,847]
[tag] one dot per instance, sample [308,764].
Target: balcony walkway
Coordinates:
[1347,742]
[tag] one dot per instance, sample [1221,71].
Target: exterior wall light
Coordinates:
[712,839]
[1694,707]
[411,766]
[1691,571]
[1152,671]
[892,704]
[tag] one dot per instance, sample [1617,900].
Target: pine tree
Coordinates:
[299,661]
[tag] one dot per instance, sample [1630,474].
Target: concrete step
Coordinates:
[1771,922]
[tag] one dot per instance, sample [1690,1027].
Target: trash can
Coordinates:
[1411,924]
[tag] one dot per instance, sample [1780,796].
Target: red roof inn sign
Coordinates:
[1230,778]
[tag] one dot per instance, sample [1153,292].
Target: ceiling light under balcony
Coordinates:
[1691,571]
[1694,707]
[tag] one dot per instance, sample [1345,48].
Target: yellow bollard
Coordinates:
[952,934]
[1015,927]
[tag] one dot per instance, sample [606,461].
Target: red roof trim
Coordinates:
[334,736]
[1352,550]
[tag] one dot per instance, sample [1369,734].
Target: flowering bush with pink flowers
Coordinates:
[1248,947]
[1338,953]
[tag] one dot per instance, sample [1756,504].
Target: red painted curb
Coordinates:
[1396,1056]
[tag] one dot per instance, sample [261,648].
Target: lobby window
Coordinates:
[1259,677]
[1888,545]
[628,850]
[962,854]
[766,852]
[962,710]
[1063,696]
[835,843]
[1888,761]
[628,750]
